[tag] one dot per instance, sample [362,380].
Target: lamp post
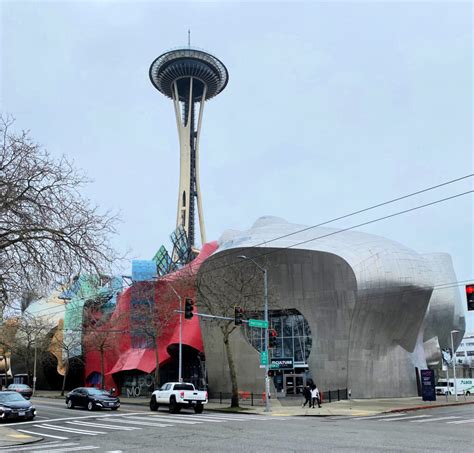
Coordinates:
[454,366]
[265,311]
[180,359]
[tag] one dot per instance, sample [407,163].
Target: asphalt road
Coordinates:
[135,428]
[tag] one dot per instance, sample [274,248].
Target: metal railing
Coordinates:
[258,399]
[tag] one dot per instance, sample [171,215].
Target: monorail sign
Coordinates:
[282,363]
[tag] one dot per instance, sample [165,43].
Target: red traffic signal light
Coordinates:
[188,308]
[238,315]
[470,297]
[272,338]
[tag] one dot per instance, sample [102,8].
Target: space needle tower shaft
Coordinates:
[189,77]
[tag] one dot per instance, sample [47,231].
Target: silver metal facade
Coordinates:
[365,298]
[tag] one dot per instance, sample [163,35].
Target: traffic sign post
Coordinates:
[258,323]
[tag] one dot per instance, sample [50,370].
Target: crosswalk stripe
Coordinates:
[224,418]
[180,417]
[69,430]
[100,425]
[403,418]
[88,447]
[164,418]
[39,447]
[460,422]
[370,417]
[144,423]
[75,418]
[433,419]
[43,435]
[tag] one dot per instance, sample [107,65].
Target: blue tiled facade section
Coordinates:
[143,270]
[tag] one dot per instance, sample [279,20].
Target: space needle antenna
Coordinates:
[189,38]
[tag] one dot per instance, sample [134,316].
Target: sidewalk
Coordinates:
[354,407]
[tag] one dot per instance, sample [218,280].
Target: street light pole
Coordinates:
[34,370]
[180,359]
[454,366]
[265,310]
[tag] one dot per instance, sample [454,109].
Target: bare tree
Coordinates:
[48,230]
[64,346]
[24,338]
[8,330]
[222,285]
[98,336]
[151,316]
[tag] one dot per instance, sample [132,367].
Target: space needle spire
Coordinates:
[189,77]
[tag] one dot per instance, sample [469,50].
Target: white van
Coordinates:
[464,386]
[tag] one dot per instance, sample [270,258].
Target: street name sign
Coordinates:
[258,323]
[263,358]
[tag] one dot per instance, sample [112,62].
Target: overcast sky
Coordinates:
[330,108]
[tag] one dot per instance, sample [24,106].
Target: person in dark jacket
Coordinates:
[307,396]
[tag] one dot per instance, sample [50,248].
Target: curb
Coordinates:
[418,408]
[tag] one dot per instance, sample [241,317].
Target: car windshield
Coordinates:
[10,397]
[22,386]
[97,392]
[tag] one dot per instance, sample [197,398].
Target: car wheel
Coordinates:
[69,404]
[30,418]
[153,404]
[114,408]
[90,406]
[174,408]
[198,408]
[468,393]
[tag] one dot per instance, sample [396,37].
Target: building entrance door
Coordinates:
[294,384]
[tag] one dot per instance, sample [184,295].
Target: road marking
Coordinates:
[38,447]
[404,418]
[434,419]
[77,417]
[144,423]
[164,418]
[191,417]
[232,417]
[43,435]
[89,447]
[69,430]
[459,422]
[377,416]
[101,425]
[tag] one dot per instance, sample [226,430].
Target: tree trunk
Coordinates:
[102,369]
[66,369]
[157,365]
[233,374]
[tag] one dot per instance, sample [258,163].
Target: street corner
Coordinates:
[11,438]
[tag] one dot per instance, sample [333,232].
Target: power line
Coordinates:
[232,251]
[360,211]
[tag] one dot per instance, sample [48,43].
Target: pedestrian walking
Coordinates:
[307,395]
[315,396]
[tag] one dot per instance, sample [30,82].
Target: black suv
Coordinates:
[92,398]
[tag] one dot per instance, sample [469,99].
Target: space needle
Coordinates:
[189,77]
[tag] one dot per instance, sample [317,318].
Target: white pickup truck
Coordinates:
[177,395]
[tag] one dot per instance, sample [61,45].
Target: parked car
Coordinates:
[24,390]
[92,398]
[13,405]
[178,395]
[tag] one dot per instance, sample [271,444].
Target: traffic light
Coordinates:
[188,308]
[470,297]
[238,315]
[272,338]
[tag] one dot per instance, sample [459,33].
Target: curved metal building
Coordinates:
[366,300]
